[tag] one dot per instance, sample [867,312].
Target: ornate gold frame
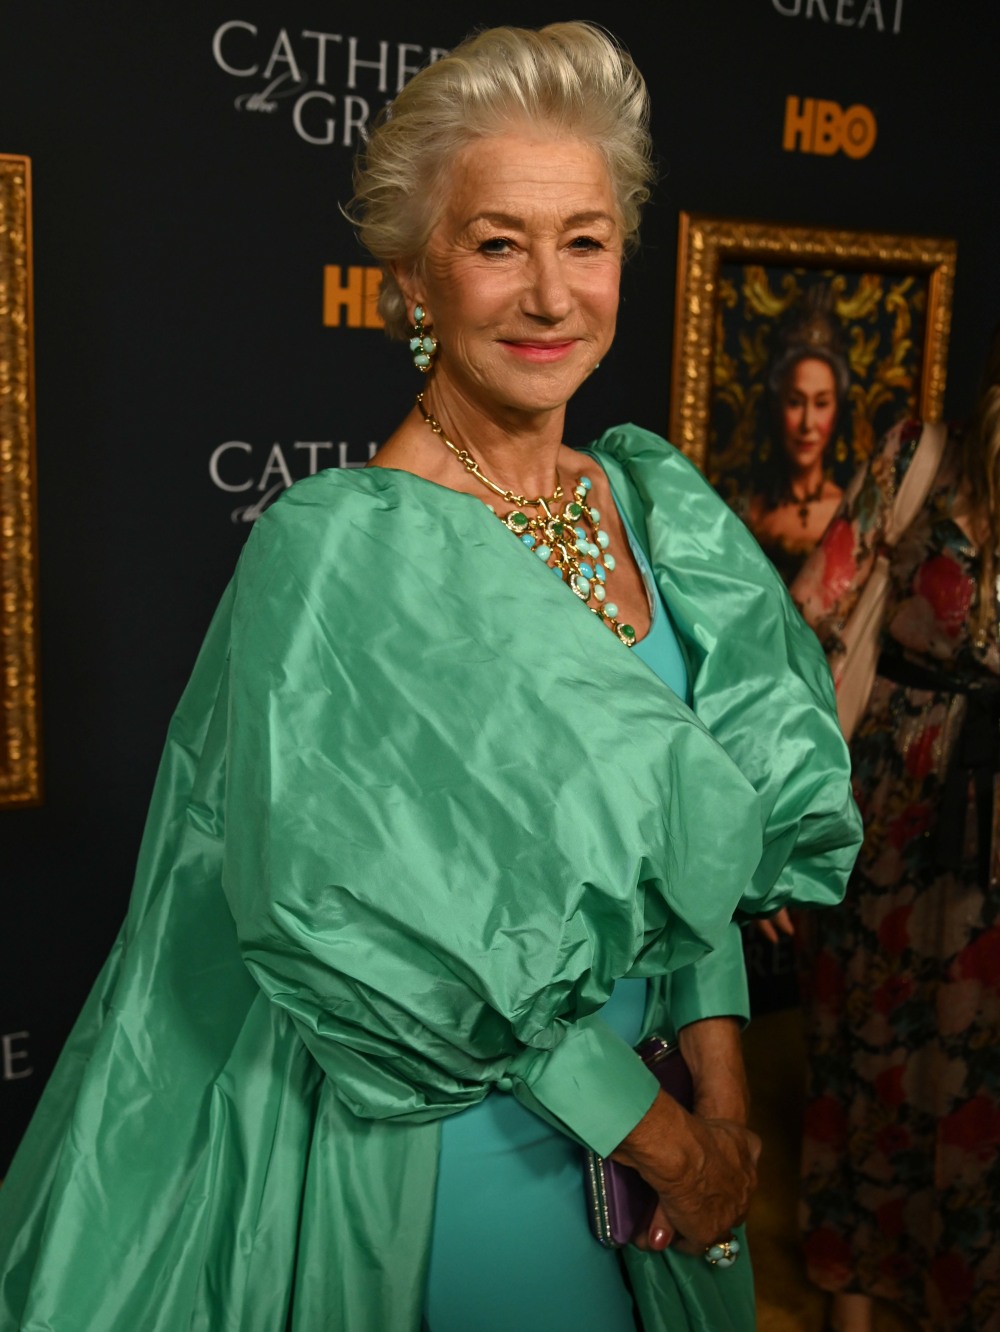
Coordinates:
[20,756]
[707,242]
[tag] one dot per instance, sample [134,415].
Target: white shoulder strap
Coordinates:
[917,482]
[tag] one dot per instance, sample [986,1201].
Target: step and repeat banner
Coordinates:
[205,330]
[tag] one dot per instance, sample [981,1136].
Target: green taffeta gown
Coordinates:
[417,814]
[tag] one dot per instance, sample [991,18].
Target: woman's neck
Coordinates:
[518,451]
[806,484]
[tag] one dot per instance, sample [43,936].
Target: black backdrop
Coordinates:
[180,248]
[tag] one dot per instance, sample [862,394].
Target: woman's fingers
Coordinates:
[769,926]
[784,922]
[657,1235]
[713,1195]
[704,1171]
[767,930]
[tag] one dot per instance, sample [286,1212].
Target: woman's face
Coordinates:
[808,407]
[520,276]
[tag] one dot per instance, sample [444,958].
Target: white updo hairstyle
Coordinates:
[572,78]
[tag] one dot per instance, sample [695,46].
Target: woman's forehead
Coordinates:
[516,170]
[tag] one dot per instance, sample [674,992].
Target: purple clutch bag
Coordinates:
[619,1201]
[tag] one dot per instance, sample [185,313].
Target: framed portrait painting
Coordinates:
[20,759]
[795,348]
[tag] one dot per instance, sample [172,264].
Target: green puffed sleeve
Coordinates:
[759,680]
[444,843]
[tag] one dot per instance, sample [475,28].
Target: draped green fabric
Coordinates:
[416,813]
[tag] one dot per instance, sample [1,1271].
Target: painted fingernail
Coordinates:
[658,1238]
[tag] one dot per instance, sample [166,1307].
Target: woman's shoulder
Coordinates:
[891,458]
[640,450]
[894,449]
[680,503]
[337,493]
[629,439]
[323,516]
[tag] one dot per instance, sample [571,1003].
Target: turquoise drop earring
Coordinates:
[422,345]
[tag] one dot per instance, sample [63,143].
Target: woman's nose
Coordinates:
[547,295]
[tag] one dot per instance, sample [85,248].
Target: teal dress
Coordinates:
[512,1247]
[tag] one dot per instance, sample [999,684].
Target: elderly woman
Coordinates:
[486,748]
[806,391]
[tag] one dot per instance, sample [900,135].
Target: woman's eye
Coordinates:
[586,243]
[495,245]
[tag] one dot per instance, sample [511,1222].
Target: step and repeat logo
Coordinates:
[816,126]
[326,84]
[876,15]
[15,1060]
[258,473]
[350,297]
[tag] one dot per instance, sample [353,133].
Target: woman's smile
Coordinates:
[541,352]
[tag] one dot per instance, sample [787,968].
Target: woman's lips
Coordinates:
[540,351]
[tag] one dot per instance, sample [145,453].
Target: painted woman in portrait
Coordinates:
[794,495]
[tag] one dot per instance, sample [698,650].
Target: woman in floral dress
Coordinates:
[901,1184]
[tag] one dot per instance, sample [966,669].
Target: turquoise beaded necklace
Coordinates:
[571,542]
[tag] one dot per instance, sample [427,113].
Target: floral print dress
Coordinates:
[901,984]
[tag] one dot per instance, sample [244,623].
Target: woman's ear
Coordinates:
[408,285]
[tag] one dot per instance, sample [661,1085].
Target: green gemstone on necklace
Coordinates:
[570,543]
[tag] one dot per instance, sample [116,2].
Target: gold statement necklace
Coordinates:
[569,540]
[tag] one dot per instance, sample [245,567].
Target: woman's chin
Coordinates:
[801,461]
[536,389]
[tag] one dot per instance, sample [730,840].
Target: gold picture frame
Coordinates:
[20,745]
[889,295]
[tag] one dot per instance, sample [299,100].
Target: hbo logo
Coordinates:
[814,126]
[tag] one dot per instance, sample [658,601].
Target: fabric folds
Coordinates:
[416,814]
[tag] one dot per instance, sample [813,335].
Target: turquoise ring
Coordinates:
[723,1253]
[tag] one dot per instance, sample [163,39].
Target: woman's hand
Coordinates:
[703,1166]
[770,925]
[705,1178]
